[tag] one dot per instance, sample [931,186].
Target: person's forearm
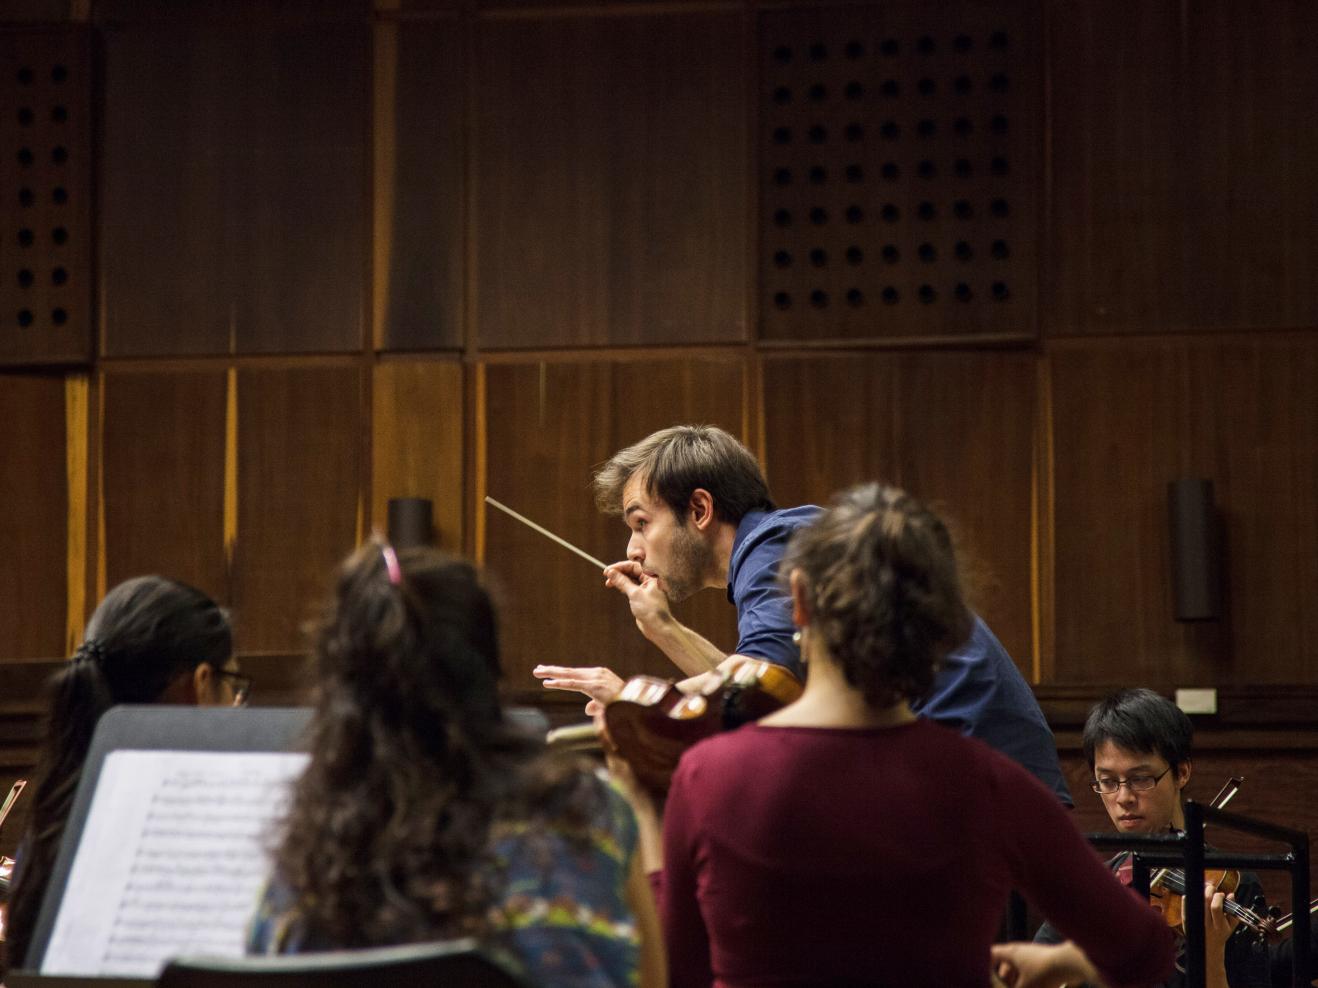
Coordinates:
[691,652]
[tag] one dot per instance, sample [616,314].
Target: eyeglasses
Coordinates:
[241,685]
[1135,783]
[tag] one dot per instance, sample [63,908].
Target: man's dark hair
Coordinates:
[677,460]
[1141,721]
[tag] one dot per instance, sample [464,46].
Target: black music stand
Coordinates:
[149,728]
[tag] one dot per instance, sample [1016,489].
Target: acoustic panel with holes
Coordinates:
[45,201]
[898,161]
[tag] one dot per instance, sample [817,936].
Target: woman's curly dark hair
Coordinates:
[387,837]
[881,588]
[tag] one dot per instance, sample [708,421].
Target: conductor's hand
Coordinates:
[645,596]
[598,683]
[1039,965]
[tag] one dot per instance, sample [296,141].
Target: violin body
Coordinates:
[652,722]
[1171,903]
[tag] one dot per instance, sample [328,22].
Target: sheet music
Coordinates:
[172,859]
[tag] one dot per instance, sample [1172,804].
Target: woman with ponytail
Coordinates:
[151,640]
[425,814]
[844,841]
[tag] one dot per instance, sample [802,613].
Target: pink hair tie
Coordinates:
[391,564]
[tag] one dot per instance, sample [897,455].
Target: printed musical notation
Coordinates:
[172,859]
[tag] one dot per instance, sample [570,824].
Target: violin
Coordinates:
[651,722]
[1167,887]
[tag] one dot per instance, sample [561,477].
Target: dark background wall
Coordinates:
[264,266]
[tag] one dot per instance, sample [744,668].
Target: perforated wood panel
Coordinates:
[898,150]
[45,283]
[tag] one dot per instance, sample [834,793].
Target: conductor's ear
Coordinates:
[701,509]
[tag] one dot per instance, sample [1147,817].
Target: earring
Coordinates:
[796,637]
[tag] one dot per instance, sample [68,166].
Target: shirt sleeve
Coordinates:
[685,934]
[764,612]
[1057,870]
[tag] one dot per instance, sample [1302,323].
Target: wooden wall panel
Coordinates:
[898,161]
[1127,421]
[162,469]
[45,211]
[548,426]
[957,430]
[234,179]
[1182,148]
[34,510]
[420,148]
[418,443]
[299,496]
[610,173]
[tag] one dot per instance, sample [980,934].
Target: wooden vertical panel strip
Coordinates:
[230,469]
[1041,529]
[100,488]
[386,149]
[479,440]
[77,389]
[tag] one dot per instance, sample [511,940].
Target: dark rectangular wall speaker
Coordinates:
[1196,550]
[411,522]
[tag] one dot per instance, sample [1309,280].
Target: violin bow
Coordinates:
[683,633]
[12,798]
[1224,795]
[544,531]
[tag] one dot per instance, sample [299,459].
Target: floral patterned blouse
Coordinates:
[563,918]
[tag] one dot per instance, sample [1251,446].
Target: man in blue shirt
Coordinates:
[700,515]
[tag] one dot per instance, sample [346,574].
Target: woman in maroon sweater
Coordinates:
[843,840]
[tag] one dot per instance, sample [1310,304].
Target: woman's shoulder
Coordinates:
[568,794]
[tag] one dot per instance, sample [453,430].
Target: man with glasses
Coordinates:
[1137,744]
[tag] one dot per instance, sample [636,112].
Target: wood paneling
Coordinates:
[234,181]
[418,430]
[898,167]
[957,430]
[610,180]
[548,426]
[45,209]
[420,146]
[1130,419]
[34,507]
[162,468]
[1182,148]
[299,496]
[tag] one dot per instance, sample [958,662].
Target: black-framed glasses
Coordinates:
[1135,783]
[240,683]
